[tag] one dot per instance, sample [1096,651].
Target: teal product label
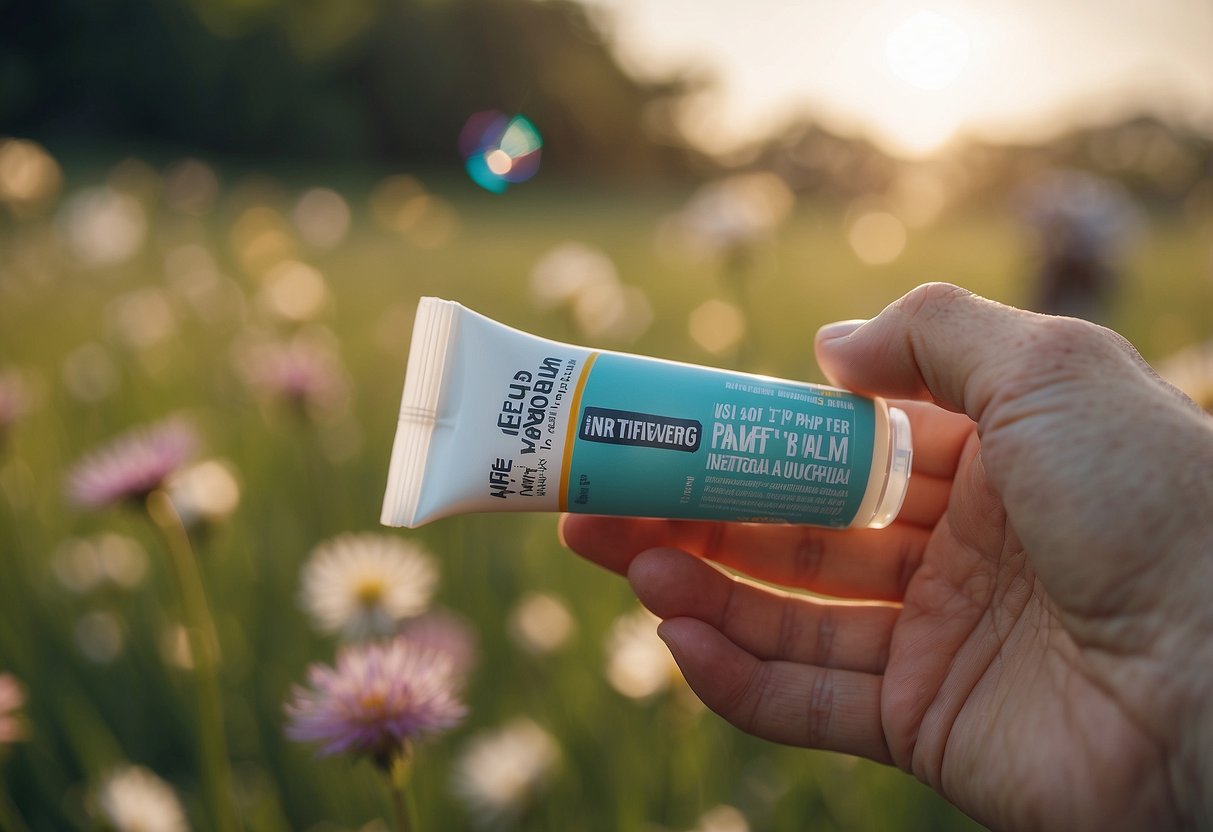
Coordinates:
[661,439]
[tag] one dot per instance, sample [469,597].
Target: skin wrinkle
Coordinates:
[1158,744]
[909,561]
[827,629]
[820,709]
[960,694]
[750,693]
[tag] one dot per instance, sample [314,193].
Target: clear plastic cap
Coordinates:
[897,480]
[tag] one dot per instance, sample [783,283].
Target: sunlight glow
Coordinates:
[927,50]
[914,74]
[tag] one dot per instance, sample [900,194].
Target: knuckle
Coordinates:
[1068,336]
[827,633]
[930,299]
[791,629]
[807,560]
[819,710]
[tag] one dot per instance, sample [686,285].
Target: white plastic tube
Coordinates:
[496,419]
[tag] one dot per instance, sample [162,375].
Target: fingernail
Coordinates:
[839,329]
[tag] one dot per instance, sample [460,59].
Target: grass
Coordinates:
[644,766]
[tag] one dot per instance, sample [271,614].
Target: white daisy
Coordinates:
[134,799]
[364,585]
[499,773]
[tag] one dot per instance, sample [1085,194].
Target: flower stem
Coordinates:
[204,648]
[402,799]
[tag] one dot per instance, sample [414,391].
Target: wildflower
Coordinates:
[305,373]
[500,773]
[379,698]
[447,633]
[12,697]
[131,466]
[364,584]
[133,799]
[541,623]
[638,663]
[205,493]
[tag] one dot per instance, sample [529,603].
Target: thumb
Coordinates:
[939,342]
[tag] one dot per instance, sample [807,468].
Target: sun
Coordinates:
[927,50]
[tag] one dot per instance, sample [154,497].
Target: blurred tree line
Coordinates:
[330,80]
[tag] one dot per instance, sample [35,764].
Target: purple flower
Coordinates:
[131,466]
[378,698]
[11,699]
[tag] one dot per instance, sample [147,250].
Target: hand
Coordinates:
[1033,637]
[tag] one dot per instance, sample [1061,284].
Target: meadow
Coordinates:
[120,313]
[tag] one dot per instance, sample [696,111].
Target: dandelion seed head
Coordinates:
[133,799]
[132,465]
[378,697]
[364,585]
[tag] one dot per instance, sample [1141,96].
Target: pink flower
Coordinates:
[379,697]
[304,372]
[12,698]
[131,466]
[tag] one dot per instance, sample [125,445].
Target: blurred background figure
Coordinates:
[1082,227]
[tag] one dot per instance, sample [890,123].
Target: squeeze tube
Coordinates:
[496,419]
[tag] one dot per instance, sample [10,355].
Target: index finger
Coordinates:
[870,564]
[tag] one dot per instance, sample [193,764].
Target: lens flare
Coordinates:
[499,150]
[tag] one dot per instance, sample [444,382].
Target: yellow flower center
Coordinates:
[372,702]
[370,592]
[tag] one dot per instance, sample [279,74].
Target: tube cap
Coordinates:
[901,452]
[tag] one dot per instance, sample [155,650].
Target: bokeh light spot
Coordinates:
[717,326]
[499,150]
[877,237]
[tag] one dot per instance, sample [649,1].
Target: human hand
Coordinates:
[1032,637]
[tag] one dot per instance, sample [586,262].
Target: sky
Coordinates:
[912,75]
